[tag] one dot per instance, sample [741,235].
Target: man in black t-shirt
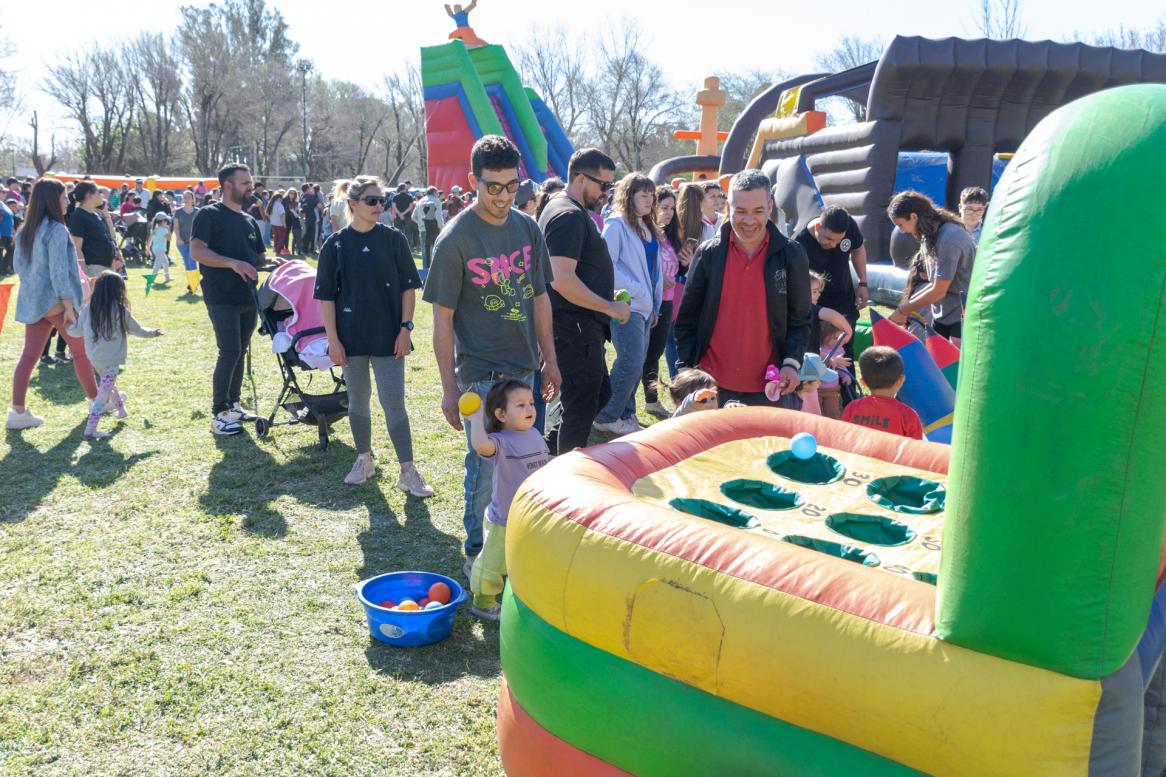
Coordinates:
[228,245]
[91,235]
[310,206]
[402,217]
[581,296]
[833,241]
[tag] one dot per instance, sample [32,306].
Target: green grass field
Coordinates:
[175,603]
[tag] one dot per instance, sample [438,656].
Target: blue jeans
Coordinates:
[671,353]
[631,345]
[187,261]
[479,480]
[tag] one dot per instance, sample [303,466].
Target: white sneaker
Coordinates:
[468,567]
[412,482]
[223,424]
[107,408]
[629,425]
[610,427]
[658,410]
[362,470]
[97,434]
[25,420]
[237,413]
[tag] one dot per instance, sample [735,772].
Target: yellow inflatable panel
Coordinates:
[702,477]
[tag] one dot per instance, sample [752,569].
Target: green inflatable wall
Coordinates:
[1057,498]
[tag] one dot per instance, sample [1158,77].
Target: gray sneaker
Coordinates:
[491,613]
[412,482]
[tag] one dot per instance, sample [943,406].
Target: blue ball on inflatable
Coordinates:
[803,445]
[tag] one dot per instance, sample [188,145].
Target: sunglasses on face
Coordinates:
[495,188]
[604,186]
[373,201]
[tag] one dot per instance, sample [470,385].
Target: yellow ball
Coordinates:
[469,403]
[408,605]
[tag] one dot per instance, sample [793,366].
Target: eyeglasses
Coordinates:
[604,186]
[494,188]
[372,201]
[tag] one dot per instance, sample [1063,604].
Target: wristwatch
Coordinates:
[407,325]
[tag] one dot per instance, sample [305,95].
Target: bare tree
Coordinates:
[402,136]
[156,88]
[851,52]
[210,69]
[629,100]
[103,107]
[1000,19]
[238,76]
[1152,38]
[40,163]
[555,65]
[740,89]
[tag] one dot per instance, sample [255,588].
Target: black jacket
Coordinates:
[787,297]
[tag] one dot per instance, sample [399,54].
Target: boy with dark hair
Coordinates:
[882,374]
[973,205]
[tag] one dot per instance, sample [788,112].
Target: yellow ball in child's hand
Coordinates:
[469,403]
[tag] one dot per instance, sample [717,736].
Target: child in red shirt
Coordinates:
[882,374]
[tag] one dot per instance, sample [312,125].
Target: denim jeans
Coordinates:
[479,480]
[671,352]
[187,261]
[631,345]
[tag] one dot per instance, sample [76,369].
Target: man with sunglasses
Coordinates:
[491,315]
[581,295]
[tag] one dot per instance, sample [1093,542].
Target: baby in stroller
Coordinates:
[291,317]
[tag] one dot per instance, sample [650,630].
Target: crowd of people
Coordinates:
[527,285]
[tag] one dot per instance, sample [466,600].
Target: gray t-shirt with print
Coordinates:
[516,456]
[489,275]
[956,253]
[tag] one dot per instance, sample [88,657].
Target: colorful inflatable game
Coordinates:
[471,92]
[926,388]
[695,599]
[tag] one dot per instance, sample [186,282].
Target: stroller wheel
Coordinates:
[262,427]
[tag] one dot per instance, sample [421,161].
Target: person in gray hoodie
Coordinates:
[104,323]
[633,240]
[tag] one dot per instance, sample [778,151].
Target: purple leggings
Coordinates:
[106,392]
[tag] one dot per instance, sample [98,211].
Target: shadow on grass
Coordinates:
[247,480]
[57,383]
[30,475]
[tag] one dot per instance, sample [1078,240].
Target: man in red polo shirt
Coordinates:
[747,302]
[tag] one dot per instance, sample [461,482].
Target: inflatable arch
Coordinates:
[691,600]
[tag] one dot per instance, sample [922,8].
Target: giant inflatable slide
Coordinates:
[471,92]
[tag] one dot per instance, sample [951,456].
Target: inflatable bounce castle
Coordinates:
[693,599]
[471,90]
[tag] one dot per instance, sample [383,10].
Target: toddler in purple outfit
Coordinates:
[502,431]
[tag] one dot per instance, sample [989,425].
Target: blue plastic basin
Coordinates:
[409,628]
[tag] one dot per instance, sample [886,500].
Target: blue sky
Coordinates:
[364,41]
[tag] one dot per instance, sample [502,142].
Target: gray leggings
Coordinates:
[389,372]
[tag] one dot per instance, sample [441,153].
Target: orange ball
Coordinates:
[439,592]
